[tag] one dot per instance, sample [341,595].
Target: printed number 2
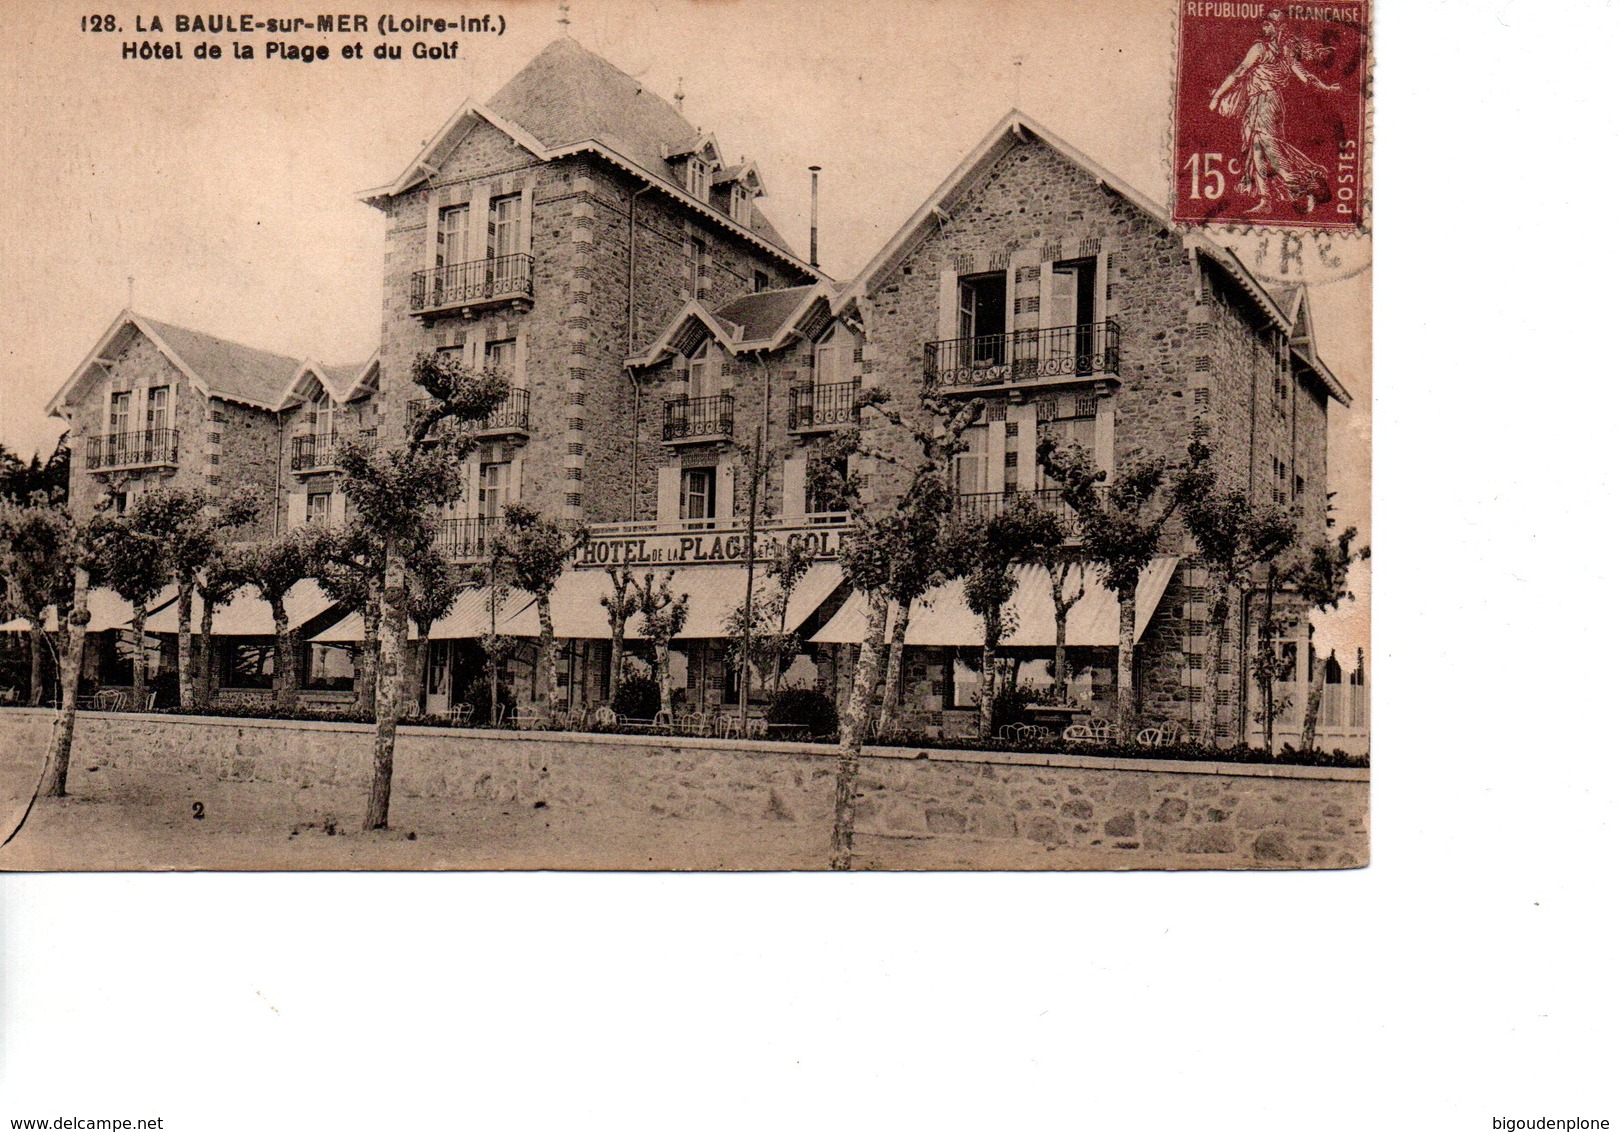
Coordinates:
[1211,183]
[196,810]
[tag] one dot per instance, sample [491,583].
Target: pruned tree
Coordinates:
[273,568]
[394,494]
[190,525]
[1119,529]
[21,480]
[133,563]
[347,562]
[220,580]
[36,572]
[1320,575]
[663,615]
[771,646]
[987,549]
[530,552]
[430,592]
[82,560]
[1238,541]
[890,553]
[620,606]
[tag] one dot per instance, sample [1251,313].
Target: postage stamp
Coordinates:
[1270,114]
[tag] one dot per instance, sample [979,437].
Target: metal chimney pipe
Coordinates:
[815,215]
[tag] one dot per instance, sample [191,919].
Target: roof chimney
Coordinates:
[815,215]
[680,95]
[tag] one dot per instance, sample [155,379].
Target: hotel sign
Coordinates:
[690,548]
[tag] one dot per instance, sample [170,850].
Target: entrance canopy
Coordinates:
[942,616]
[107,611]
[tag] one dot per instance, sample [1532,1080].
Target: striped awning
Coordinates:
[467,619]
[942,616]
[247,614]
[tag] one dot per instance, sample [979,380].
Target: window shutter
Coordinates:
[995,457]
[668,494]
[297,509]
[792,488]
[949,303]
[435,233]
[1101,287]
[725,491]
[340,507]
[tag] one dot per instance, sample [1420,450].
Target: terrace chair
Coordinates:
[607,717]
[663,721]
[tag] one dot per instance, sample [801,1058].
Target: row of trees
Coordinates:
[908,535]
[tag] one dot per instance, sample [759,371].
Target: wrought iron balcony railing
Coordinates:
[822,406]
[321,449]
[468,539]
[981,506]
[495,279]
[511,415]
[1058,353]
[150,448]
[696,418]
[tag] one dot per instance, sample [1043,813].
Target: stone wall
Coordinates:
[1098,812]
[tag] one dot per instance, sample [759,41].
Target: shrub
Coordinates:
[807,707]
[1010,706]
[638,697]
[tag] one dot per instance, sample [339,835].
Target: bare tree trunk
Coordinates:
[989,678]
[545,673]
[1312,705]
[895,679]
[365,684]
[36,663]
[1268,627]
[188,694]
[390,648]
[1124,684]
[660,664]
[286,686]
[62,731]
[852,734]
[138,674]
[1059,656]
[1242,666]
[205,650]
[615,656]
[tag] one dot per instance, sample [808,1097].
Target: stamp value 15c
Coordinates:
[1270,114]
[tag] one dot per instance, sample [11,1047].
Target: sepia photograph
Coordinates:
[531,442]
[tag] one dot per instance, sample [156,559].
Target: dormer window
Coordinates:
[699,178]
[321,413]
[742,205]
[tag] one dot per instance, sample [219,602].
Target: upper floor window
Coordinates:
[834,363]
[970,466]
[157,408]
[118,414]
[699,178]
[742,205]
[982,315]
[702,373]
[1073,293]
[501,357]
[504,219]
[761,282]
[697,495]
[321,413]
[454,235]
[318,508]
[494,478]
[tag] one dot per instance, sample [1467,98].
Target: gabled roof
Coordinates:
[763,321]
[341,382]
[216,367]
[1010,132]
[747,173]
[568,100]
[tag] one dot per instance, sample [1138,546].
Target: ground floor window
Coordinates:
[329,668]
[247,663]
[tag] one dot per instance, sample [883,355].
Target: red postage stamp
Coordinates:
[1270,114]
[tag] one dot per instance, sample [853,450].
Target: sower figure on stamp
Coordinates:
[1254,91]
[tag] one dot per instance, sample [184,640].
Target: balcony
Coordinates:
[319,453]
[1023,358]
[814,408]
[153,448]
[687,420]
[510,416]
[982,506]
[466,288]
[467,540]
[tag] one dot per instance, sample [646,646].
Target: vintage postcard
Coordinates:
[607,435]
